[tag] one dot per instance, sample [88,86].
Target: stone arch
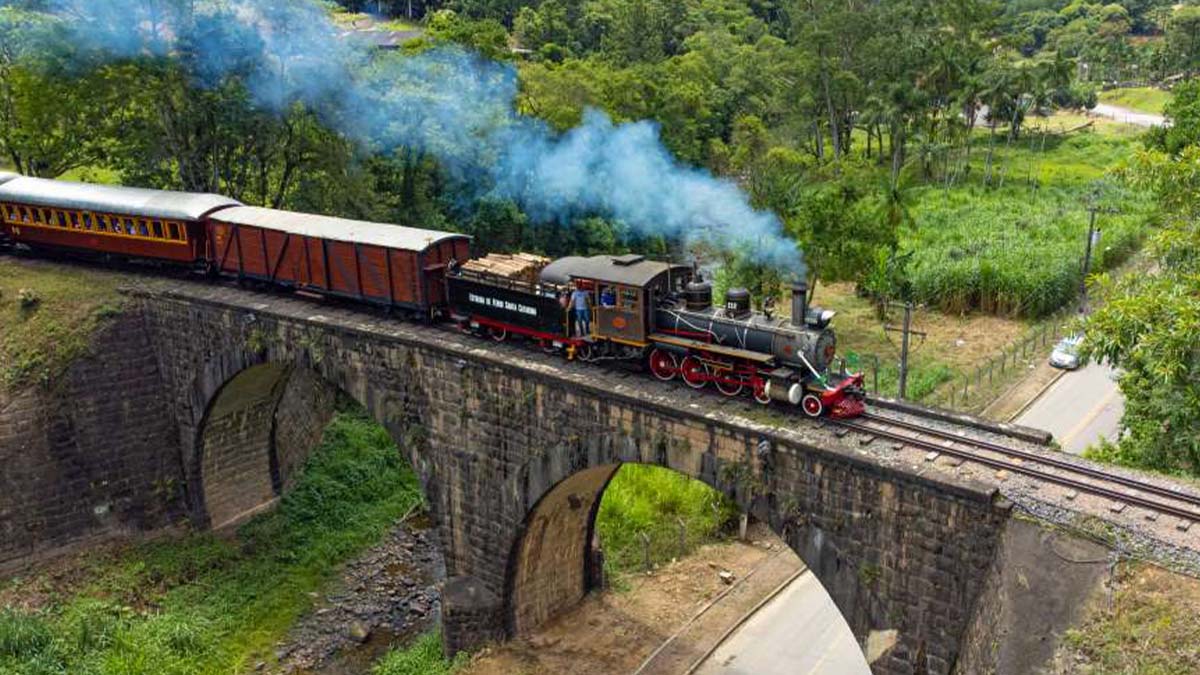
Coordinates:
[861,535]
[258,429]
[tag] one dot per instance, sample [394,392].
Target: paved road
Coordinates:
[800,632]
[1129,116]
[1079,409]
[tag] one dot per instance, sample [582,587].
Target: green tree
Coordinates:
[1148,327]
[48,114]
[1183,38]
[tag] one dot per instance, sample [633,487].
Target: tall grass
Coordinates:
[203,605]
[424,657]
[1017,249]
[650,500]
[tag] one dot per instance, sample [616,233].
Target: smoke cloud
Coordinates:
[453,104]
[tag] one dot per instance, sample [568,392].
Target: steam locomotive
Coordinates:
[656,313]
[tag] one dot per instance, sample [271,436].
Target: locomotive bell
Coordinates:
[737,303]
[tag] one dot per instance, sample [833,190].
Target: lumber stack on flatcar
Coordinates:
[374,262]
[520,266]
[107,219]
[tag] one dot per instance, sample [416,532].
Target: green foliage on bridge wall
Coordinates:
[203,604]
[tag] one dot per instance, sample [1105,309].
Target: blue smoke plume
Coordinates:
[448,102]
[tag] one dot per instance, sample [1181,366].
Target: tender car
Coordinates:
[1066,353]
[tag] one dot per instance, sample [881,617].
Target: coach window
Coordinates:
[157,228]
[101,223]
[62,218]
[28,215]
[629,298]
[173,230]
[144,228]
[75,220]
[87,220]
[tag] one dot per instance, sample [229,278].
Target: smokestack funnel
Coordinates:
[799,303]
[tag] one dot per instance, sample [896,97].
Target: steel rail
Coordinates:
[1098,474]
[1065,481]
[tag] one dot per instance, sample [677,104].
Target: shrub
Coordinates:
[424,657]
[28,298]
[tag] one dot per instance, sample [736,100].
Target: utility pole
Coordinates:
[1087,256]
[1093,240]
[906,332]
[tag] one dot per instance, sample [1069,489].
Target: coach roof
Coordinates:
[112,198]
[5,176]
[336,229]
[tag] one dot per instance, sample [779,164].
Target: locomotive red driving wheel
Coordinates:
[694,372]
[812,405]
[760,392]
[663,365]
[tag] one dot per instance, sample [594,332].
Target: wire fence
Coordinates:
[979,387]
[975,388]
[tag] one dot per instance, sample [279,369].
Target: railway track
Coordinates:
[1061,472]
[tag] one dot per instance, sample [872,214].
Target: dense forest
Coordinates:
[900,145]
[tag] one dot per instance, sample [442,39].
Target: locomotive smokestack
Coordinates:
[799,302]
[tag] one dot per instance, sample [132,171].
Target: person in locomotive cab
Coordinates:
[608,297]
[581,302]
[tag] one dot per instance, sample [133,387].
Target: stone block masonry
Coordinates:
[514,450]
[91,454]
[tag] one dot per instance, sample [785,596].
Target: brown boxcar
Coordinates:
[374,262]
[107,219]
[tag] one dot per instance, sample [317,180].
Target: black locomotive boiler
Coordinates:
[664,314]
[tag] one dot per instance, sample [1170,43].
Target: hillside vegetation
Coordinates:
[47,313]
[204,604]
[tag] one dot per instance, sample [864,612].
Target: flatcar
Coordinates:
[656,313]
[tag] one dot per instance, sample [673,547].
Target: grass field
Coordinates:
[203,604]
[1012,244]
[46,315]
[653,501]
[1152,626]
[1141,99]
[987,260]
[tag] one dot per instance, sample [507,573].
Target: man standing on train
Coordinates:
[581,302]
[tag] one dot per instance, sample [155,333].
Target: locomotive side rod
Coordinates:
[1187,515]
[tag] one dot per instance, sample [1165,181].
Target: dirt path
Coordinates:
[614,632]
[695,640]
[1129,116]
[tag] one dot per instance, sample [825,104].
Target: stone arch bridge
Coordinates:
[514,450]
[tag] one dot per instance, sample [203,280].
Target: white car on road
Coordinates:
[1066,353]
